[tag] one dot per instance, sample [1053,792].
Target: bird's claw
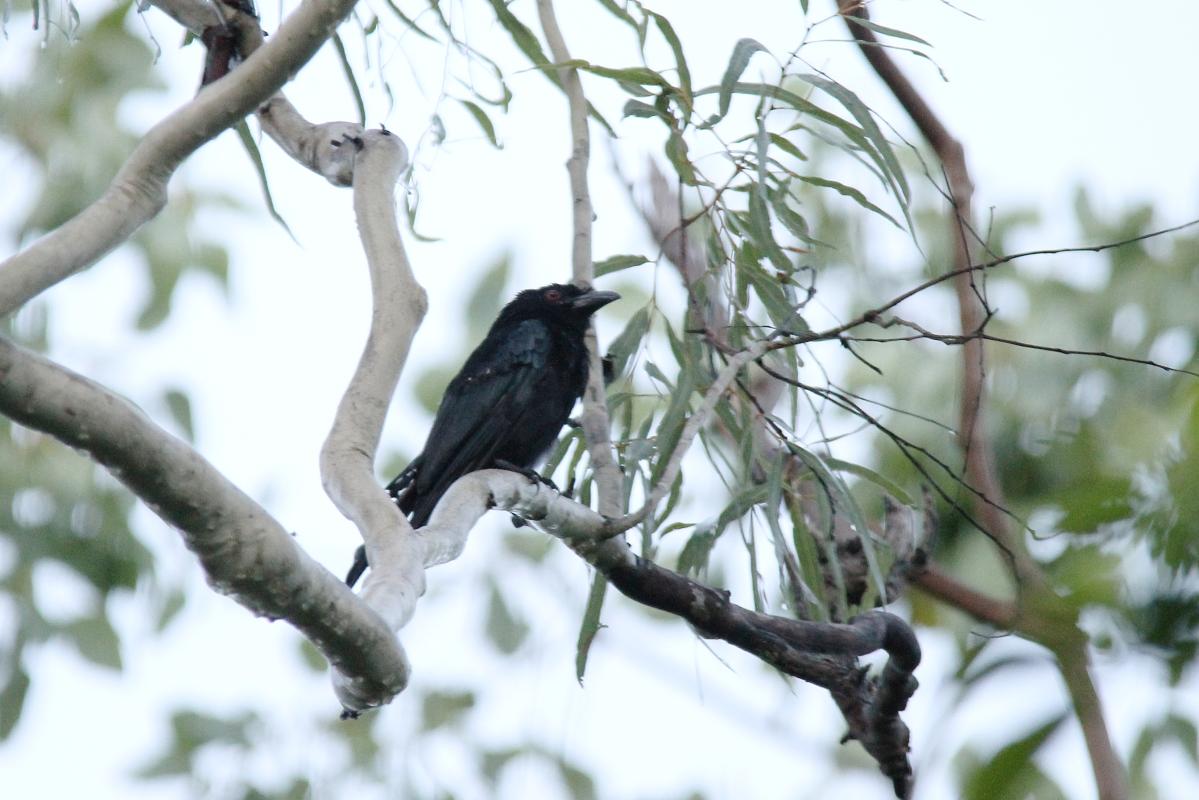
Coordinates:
[533,475]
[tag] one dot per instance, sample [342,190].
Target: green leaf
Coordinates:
[579,784]
[760,232]
[743,51]
[881,481]
[96,641]
[619,12]
[676,151]
[676,47]
[348,71]
[671,425]
[591,624]
[1100,500]
[865,118]
[439,709]
[12,700]
[636,108]
[883,29]
[1007,774]
[638,76]
[170,609]
[484,121]
[617,263]
[533,547]
[181,411]
[488,296]
[809,562]
[506,630]
[408,22]
[851,193]
[528,43]
[251,147]
[694,557]
[844,503]
[624,345]
[194,729]
[524,38]
[787,146]
[853,132]
[312,658]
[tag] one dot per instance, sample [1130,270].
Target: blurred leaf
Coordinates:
[1089,575]
[494,762]
[676,151]
[312,658]
[851,193]
[408,21]
[445,708]
[505,630]
[883,29]
[251,148]
[181,411]
[743,51]
[174,603]
[484,122]
[191,732]
[580,785]
[348,71]
[12,700]
[617,263]
[96,641]
[431,385]
[531,546]
[693,560]
[881,481]
[676,47]
[488,297]
[1009,773]
[625,344]
[591,624]
[529,44]
[1100,501]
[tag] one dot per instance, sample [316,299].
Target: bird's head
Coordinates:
[563,303]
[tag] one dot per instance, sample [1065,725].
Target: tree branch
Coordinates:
[596,427]
[244,551]
[819,653]
[348,455]
[1110,778]
[138,191]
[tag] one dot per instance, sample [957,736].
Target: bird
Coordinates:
[506,406]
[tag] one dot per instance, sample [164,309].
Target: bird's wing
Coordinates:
[482,405]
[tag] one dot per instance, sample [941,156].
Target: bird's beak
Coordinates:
[593,300]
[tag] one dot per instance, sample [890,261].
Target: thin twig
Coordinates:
[1071,645]
[596,427]
[138,191]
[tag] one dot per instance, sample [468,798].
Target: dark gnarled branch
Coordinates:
[1110,778]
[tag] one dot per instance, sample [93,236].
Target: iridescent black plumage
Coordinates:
[507,405]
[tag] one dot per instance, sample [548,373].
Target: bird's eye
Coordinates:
[553,295]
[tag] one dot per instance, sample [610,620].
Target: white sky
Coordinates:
[1044,95]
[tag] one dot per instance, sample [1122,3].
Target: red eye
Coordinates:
[553,295]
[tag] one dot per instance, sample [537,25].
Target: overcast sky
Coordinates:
[1045,97]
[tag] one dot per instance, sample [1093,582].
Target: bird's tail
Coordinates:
[396,490]
[358,567]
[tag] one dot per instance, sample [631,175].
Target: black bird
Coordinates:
[507,405]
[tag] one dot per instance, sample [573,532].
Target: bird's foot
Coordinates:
[533,475]
[518,521]
[573,423]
